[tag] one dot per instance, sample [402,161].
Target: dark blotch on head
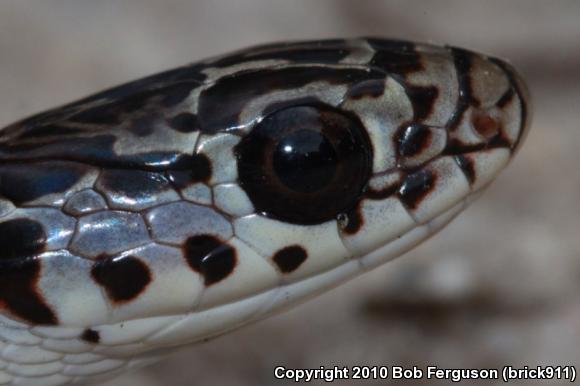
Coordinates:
[184,123]
[18,292]
[423,100]
[200,168]
[506,98]
[466,164]
[416,186]
[351,221]
[463,62]
[20,238]
[462,59]
[123,278]
[412,139]
[212,258]
[190,170]
[395,56]
[91,336]
[290,258]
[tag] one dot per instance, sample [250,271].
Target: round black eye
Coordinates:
[305,164]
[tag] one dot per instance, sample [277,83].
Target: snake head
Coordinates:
[177,207]
[367,142]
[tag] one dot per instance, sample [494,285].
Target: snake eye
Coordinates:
[305,164]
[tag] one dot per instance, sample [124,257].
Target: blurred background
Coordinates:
[500,285]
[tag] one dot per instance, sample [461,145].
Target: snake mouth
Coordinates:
[191,327]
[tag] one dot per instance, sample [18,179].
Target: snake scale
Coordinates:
[183,205]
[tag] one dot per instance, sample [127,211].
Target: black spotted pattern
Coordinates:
[351,221]
[290,258]
[86,132]
[423,100]
[411,140]
[91,336]
[19,294]
[200,168]
[212,258]
[416,187]
[402,59]
[21,238]
[123,278]
[194,169]
[466,164]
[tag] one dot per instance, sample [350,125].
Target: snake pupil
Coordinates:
[305,161]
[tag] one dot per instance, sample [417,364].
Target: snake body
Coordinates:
[183,205]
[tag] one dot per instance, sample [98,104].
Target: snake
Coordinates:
[175,208]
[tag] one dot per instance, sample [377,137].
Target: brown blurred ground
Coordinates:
[501,285]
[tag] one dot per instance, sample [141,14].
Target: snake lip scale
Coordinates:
[186,204]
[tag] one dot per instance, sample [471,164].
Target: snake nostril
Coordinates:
[485,125]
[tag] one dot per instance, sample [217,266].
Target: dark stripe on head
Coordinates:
[462,59]
[21,183]
[393,56]
[323,52]
[221,104]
